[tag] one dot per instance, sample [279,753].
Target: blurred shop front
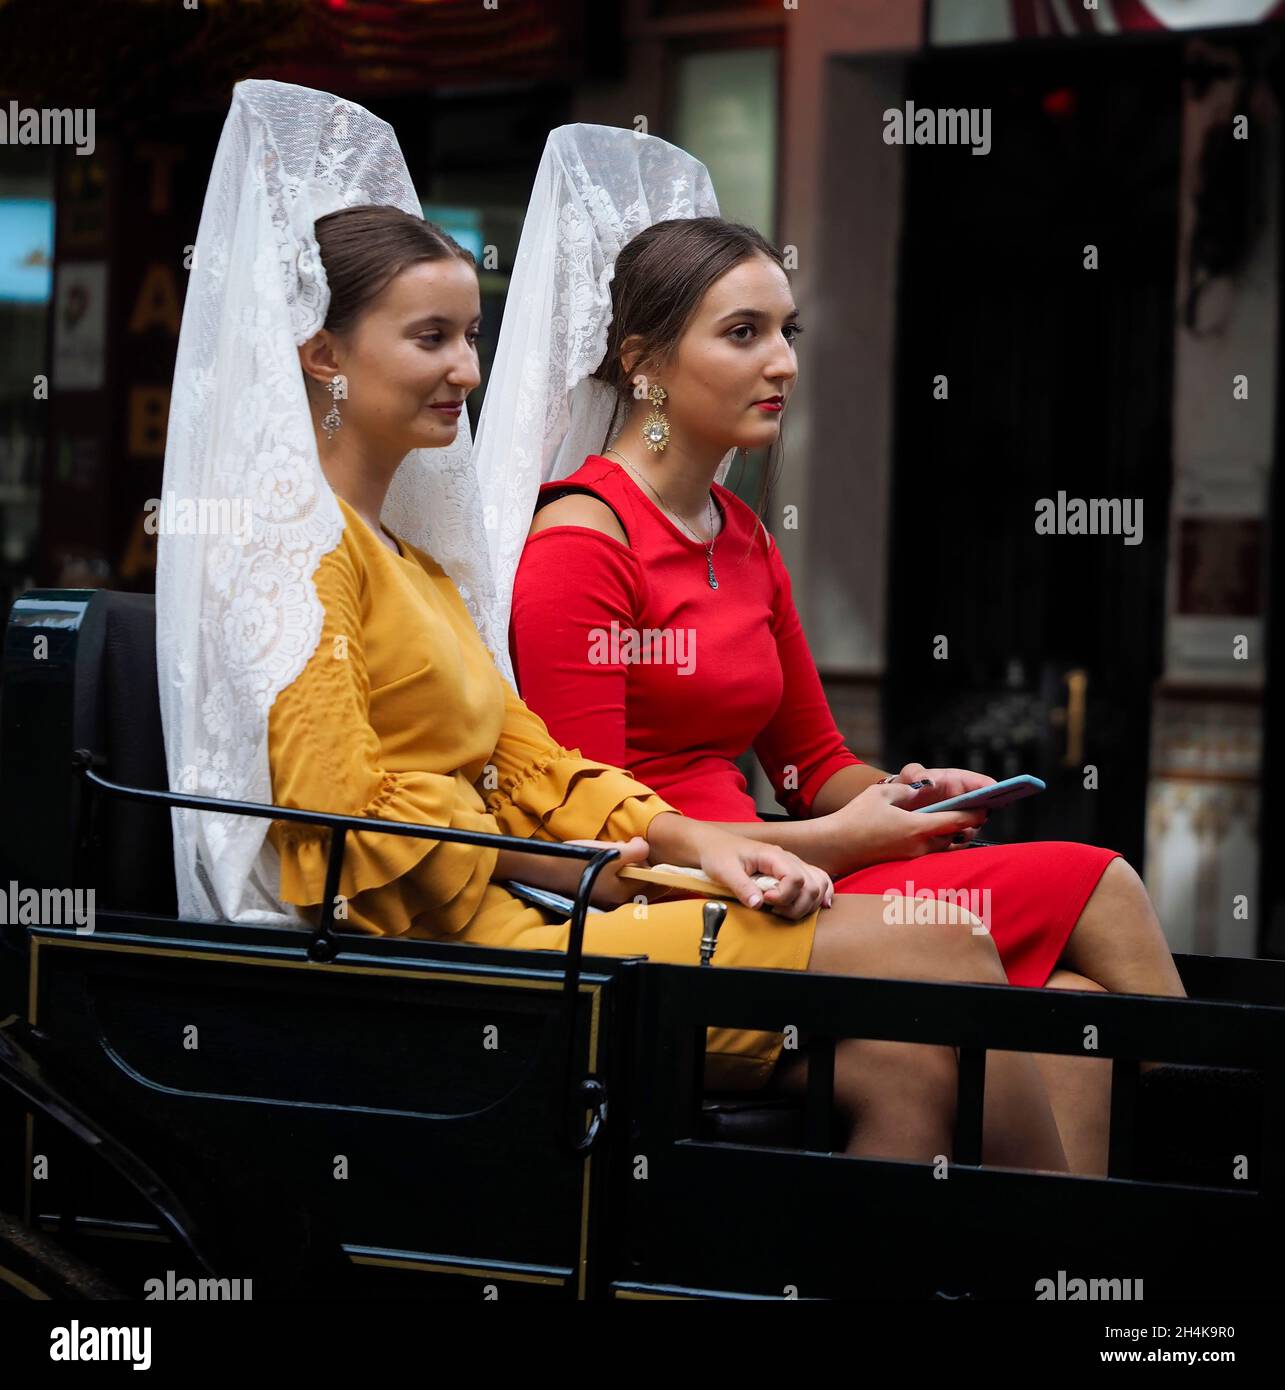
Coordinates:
[1090,311]
[95,247]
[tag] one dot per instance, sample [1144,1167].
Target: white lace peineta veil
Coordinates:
[237,610]
[597,187]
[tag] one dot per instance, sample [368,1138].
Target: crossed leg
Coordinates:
[893,1092]
[900,1097]
[1079,1089]
[1117,941]
[1116,946]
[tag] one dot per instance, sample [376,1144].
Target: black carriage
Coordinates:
[320,1112]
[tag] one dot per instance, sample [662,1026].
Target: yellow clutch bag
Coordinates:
[685,879]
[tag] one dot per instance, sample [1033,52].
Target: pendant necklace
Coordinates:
[708,545]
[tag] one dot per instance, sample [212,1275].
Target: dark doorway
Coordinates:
[1059,379]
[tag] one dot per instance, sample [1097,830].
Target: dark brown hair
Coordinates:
[660,278]
[363,248]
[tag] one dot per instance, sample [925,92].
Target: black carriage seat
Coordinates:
[118,716]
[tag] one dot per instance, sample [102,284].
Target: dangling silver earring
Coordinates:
[332,420]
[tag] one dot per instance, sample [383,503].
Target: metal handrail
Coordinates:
[24,1072]
[977,1018]
[588,1092]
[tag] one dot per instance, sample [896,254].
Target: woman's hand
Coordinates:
[946,781]
[735,861]
[882,824]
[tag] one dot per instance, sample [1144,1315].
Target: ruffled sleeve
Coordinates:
[801,748]
[547,792]
[325,756]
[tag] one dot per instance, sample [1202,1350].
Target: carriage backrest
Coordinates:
[90,684]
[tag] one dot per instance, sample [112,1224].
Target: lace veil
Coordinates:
[597,187]
[250,513]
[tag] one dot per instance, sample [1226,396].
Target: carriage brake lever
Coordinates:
[712,915]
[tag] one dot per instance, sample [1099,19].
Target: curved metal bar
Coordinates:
[323,947]
[589,1091]
[23,1073]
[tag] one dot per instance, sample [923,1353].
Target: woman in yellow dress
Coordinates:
[367,674]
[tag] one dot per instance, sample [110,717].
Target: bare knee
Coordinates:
[951,914]
[966,948]
[908,939]
[1120,876]
[1069,979]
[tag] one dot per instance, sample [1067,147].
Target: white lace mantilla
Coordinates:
[237,617]
[597,187]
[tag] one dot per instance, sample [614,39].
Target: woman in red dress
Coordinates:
[653,629]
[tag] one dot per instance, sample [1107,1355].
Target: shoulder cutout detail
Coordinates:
[580,509]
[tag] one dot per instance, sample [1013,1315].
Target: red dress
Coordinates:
[630,656]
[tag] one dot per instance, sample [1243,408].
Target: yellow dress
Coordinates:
[400,712]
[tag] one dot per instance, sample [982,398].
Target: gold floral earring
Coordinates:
[655,430]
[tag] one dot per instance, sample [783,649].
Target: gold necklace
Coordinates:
[709,544]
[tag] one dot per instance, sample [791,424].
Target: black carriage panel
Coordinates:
[747,1206]
[403,1102]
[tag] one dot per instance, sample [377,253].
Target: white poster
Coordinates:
[80,326]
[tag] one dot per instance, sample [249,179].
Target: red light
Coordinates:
[1060,102]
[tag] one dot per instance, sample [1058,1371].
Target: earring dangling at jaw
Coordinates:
[332,420]
[655,429]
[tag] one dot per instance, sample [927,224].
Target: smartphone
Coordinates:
[989,798]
